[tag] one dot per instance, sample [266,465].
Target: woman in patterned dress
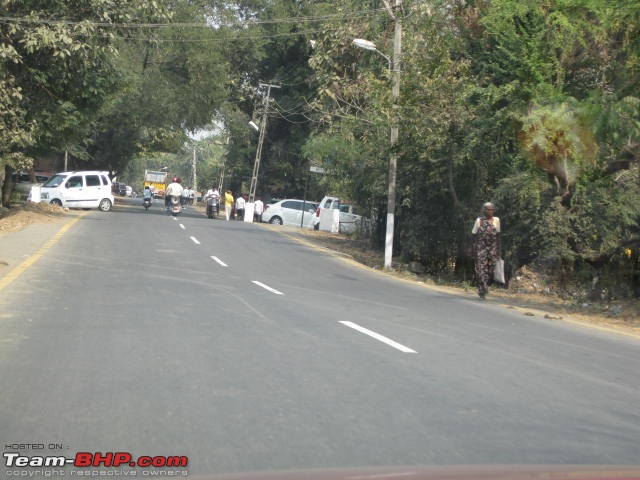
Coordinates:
[486,243]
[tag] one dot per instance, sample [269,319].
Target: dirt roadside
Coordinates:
[28,226]
[15,219]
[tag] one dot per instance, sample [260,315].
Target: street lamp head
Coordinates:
[254,126]
[366,44]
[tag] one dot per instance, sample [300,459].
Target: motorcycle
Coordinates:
[146,203]
[213,207]
[175,206]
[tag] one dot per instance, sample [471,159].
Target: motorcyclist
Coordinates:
[173,189]
[147,193]
[214,194]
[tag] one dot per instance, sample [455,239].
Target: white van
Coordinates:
[81,189]
[334,216]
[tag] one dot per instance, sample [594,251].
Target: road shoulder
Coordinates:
[546,307]
[26,233]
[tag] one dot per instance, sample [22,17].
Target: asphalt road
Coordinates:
[244,350]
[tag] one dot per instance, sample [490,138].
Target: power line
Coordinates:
[223,35]
[236,36]
[213,25]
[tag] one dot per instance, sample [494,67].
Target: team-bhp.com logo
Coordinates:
[86,459]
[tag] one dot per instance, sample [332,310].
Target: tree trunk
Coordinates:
[7,186]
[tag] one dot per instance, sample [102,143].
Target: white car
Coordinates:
[291,212]
[79,189]
[335,216]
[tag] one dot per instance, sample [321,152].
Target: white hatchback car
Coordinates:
[79,189]
[291,212]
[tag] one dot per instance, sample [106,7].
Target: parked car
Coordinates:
[290,212]
[345,221]
[119,189]
[22,182]
[78,189]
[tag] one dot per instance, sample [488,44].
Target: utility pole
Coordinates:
[221,178]
[224,161]
[195,181]
[263,128]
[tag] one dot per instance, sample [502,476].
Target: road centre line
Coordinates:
[267,287]
[183,227]
[377,336]
[216,259]
[195,240]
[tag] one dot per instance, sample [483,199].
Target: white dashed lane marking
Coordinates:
[378,337]
[216,259]
[267,287]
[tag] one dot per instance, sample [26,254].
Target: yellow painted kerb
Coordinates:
[16,272]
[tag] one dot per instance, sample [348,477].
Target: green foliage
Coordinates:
[492,98]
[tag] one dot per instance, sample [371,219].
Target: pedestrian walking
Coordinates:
[228,204]
[240,204]
[184,200]
[258,210]
[486,245]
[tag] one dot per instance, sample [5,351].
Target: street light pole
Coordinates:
[394,68]
[393,156]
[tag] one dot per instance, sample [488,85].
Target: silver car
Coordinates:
[291,212]
[23,183]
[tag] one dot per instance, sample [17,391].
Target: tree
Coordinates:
[56,69]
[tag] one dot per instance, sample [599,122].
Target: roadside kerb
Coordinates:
[13,274]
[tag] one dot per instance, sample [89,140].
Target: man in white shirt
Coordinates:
[185,196]
[258,210]
[173,189]
[212,193]
[240,203]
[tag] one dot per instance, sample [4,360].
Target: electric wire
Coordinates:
[239,23]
